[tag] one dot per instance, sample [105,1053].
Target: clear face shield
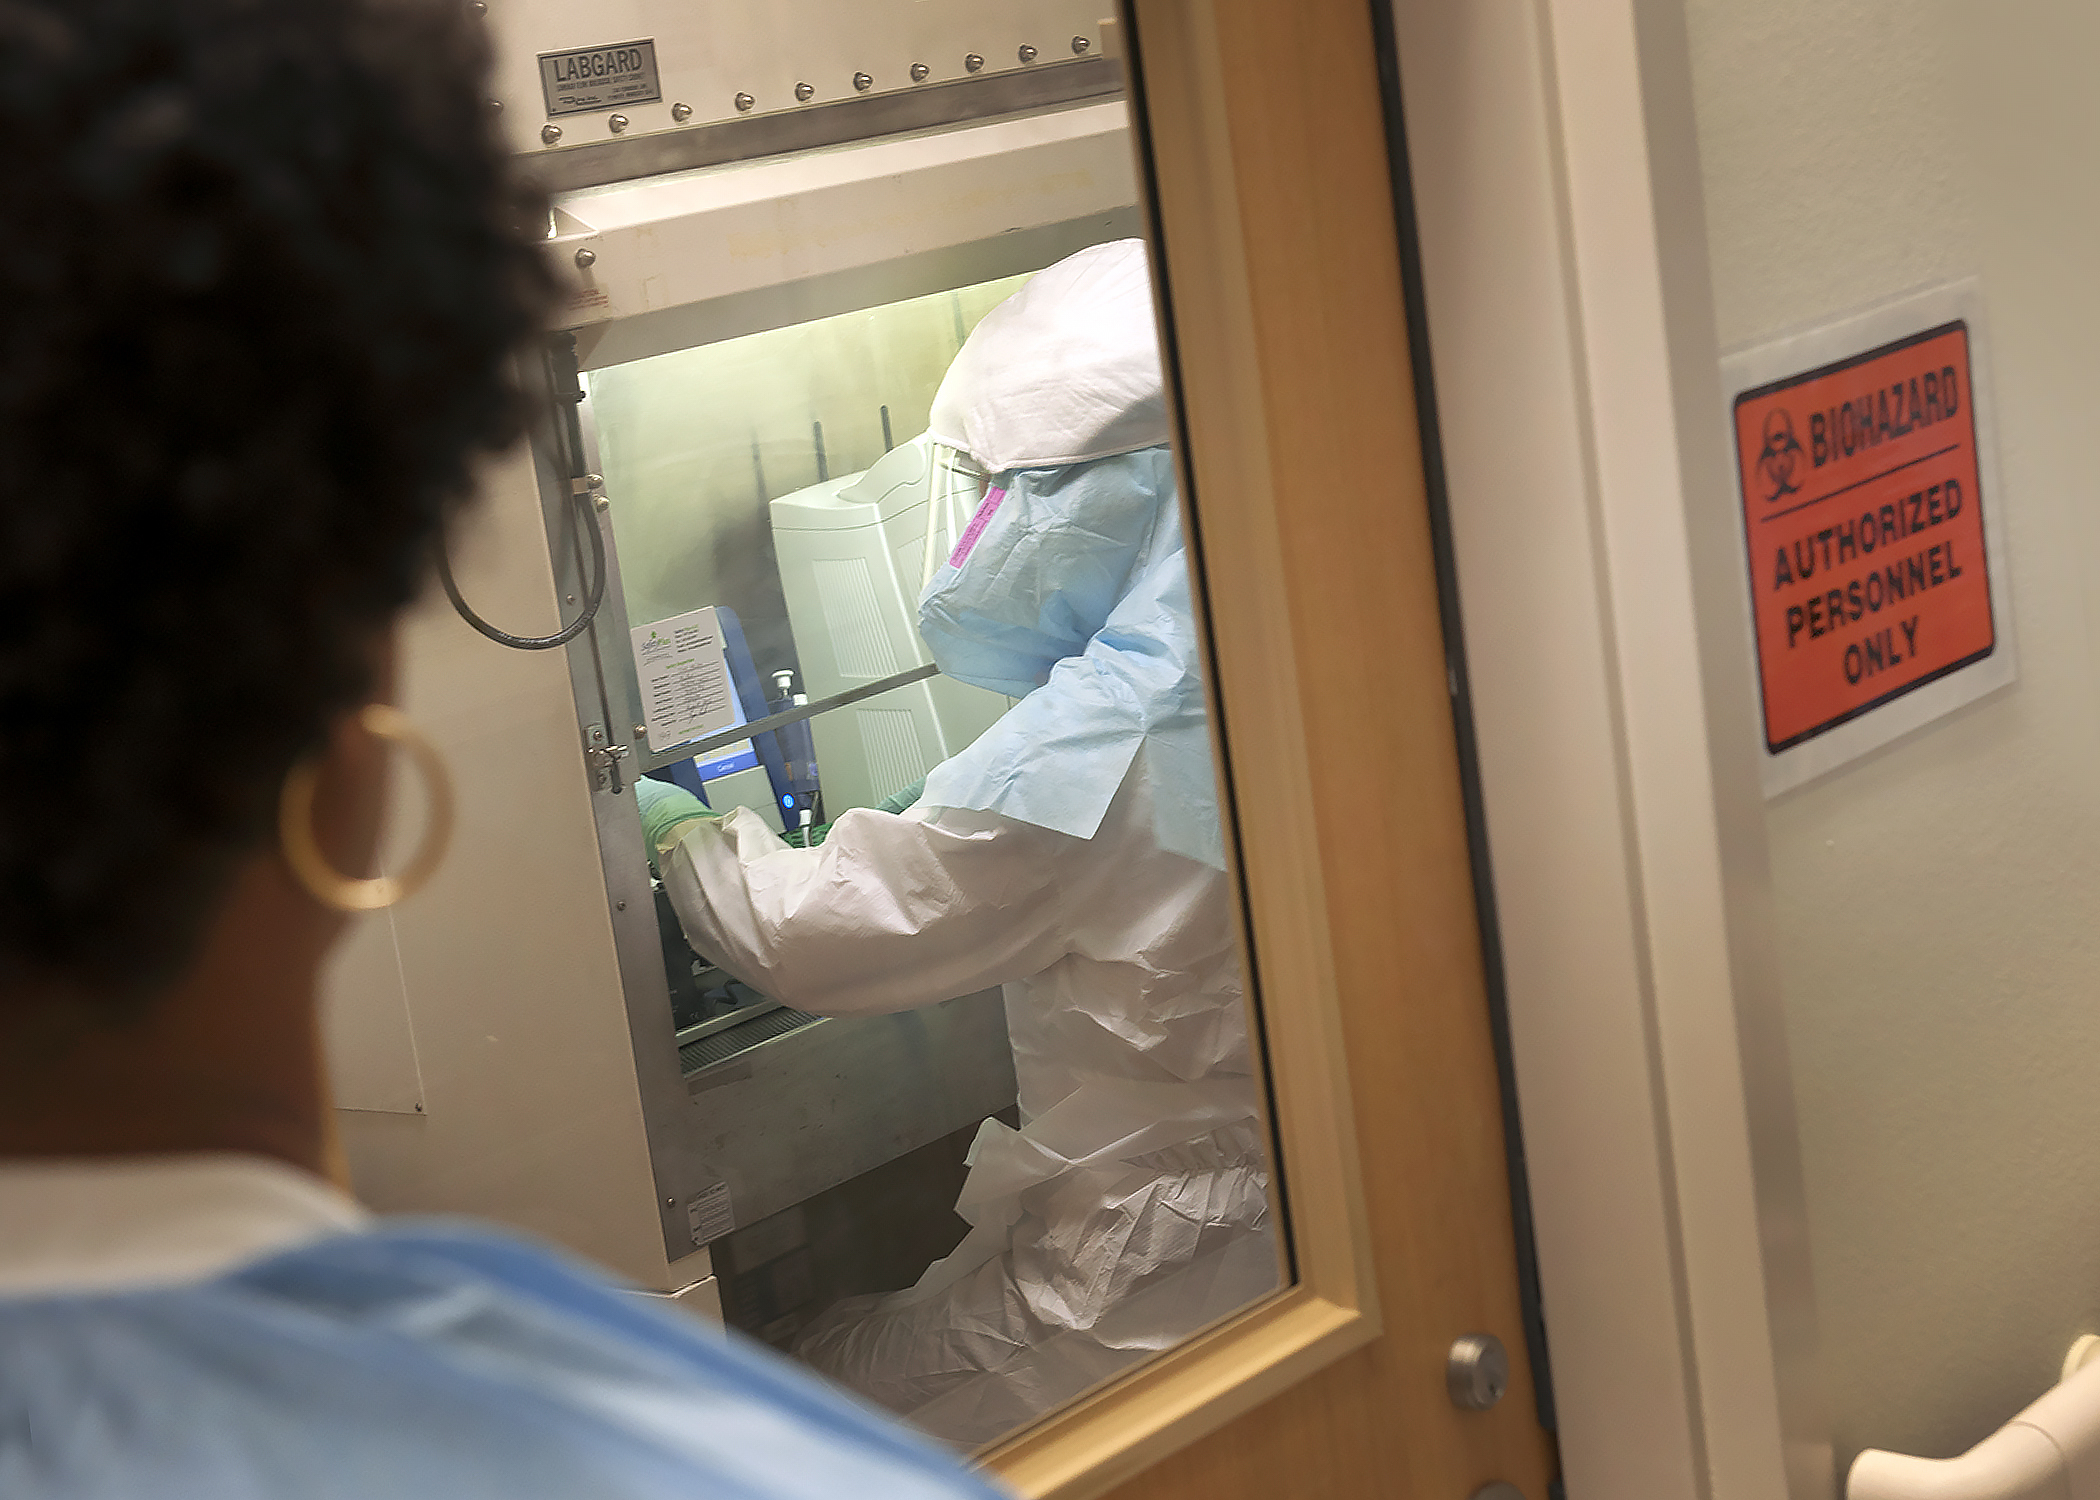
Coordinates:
[955,489]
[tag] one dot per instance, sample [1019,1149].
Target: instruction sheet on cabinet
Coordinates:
[684,678]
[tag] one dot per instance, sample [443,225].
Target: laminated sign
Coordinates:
[1870,531]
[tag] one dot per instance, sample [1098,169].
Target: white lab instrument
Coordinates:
[853,556]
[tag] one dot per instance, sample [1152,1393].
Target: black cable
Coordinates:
[587,513]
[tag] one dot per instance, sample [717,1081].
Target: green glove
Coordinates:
[664,809]
[897,802]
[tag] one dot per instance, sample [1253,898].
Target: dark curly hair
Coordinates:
[269,272]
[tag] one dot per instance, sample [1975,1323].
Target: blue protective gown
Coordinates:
[423,1360]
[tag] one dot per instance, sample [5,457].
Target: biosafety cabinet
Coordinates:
[779,223]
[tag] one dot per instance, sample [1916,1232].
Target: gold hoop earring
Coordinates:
[302,851]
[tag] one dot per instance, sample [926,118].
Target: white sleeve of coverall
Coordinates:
[889,913]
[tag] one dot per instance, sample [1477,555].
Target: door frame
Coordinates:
[1570,315]
[1262,137]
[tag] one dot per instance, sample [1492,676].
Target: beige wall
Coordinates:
[1939,901]
[521,1057]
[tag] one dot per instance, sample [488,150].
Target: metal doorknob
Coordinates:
[1501,1489]
[1476,1372]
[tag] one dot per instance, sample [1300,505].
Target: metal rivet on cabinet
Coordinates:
[1027,53]
[862,83]
[549,134]
[495,106]
[682,112]
[973,63]
[1476,1371]
[804,92]
[920,72]
[616,123]
[1079,46]
[743,103]
[478,8]
[586,258]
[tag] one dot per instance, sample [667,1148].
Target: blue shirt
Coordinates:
[424,1359]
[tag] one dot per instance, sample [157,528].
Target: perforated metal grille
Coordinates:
[723,1045]
[890,736]
[853,614]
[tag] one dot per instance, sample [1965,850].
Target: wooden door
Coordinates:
[1263,132]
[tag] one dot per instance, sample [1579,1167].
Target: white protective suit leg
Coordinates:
[1073,1273]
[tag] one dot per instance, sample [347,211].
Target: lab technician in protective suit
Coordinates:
[1071,854]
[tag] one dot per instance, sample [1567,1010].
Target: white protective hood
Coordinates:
[1061,372]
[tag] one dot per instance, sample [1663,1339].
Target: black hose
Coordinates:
[588,514]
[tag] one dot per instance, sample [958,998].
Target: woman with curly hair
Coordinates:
[272,275]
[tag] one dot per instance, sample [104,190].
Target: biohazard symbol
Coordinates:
[1781,459]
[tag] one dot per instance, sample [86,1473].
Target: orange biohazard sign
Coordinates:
[1863,510]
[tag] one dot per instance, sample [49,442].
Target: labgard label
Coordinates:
[594,78]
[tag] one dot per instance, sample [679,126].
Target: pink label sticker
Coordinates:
[983,518]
